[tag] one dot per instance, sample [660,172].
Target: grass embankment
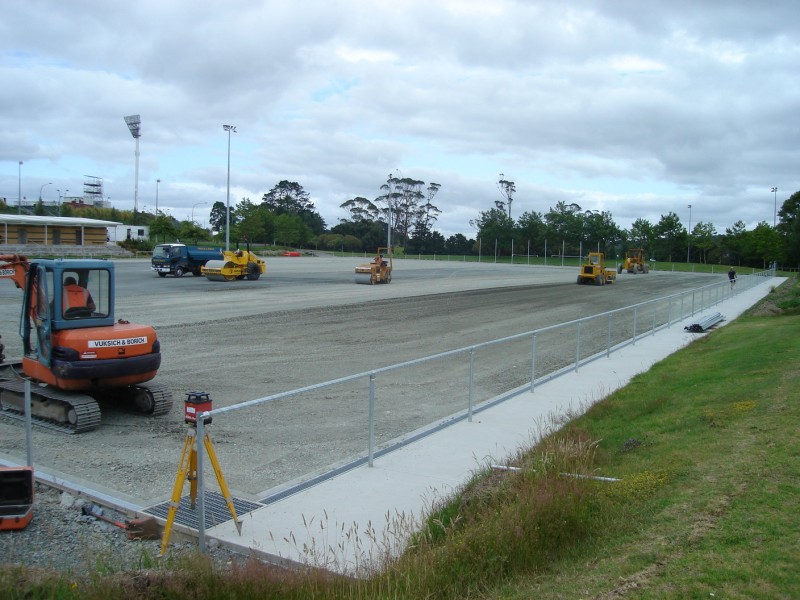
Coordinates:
[706,449]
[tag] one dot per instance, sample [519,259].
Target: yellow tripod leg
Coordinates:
[192,476]
[183,469]
[221,480]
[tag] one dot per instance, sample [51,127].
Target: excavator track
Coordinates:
[51,408]
[151,399]
[159,401]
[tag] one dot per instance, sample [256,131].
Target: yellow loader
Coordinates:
[594,270]
[634,262]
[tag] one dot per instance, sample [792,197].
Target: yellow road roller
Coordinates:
[235,264]
[377,271]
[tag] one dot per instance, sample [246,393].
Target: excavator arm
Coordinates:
[14,267]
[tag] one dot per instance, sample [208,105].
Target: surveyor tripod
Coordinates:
[187,469]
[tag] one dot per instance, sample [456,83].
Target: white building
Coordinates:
[120,233]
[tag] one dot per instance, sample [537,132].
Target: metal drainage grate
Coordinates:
[216,510]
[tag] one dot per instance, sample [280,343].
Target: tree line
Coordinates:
[567,229]
[406,209]
[404,214]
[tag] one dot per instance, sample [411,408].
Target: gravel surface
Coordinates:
[60,537]
[304,322]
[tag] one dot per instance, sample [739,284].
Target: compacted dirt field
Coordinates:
[305,322]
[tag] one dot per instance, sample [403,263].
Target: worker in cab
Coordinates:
[76,297]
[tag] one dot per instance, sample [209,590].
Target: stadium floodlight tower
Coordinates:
[228,128]
[134,123]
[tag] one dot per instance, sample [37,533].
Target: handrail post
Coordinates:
[533,361]
[669,312]
[28,424]
[371,443]
[471,382]
[655,307]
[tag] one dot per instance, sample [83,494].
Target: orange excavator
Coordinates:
[74,352]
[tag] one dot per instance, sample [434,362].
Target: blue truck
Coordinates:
[180,258]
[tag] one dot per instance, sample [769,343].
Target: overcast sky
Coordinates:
[639,108]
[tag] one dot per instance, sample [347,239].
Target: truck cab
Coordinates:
[178,259]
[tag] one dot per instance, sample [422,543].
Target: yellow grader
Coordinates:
[634,262]
[594,270]
[377,271]
[235,264]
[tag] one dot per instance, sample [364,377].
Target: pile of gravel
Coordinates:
[61,538]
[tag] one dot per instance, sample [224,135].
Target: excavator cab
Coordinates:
[69,336]
[62,295]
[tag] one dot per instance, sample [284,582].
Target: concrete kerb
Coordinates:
[353,521]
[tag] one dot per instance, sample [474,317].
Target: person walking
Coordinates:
[732,277]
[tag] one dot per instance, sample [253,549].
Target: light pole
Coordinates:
[775,214]
[157,182]
[228,128]
[19,191]
[134,123]
[193,207]
[689,247]
[41,188]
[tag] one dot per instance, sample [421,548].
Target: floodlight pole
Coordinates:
[42,188]
[157,182]
[228,128]
[389,226]
[689,246]
[775,213]
[19,191]
[134,123]
[195,206]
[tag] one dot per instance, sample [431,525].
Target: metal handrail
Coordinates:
[709,295]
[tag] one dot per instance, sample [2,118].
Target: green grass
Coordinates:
[707,452]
